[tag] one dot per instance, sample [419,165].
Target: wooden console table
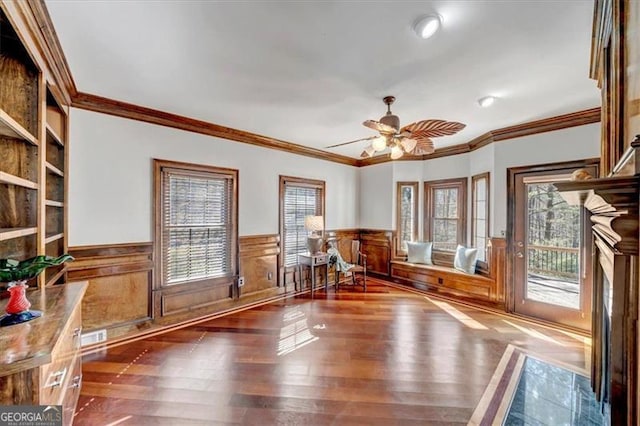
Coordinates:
[40,362]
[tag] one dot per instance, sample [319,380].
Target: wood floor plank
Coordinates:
[385,357]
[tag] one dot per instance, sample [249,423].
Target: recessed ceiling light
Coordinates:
[487,101]
[427,26]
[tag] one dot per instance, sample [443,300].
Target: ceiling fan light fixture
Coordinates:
[396,152]
[427,26]
[487,101]
[408,144]
[379,143]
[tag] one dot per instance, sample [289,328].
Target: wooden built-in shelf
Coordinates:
[18,181]
[10,127]
[53,169]
[54,237]
[51,203]
[54,135]
[51,281]
[11,233]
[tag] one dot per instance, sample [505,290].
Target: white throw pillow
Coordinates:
[465,259]
[419,253]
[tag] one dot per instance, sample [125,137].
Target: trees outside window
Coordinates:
[445,213]
[480,214]
[406,214]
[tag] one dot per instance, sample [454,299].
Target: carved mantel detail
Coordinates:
[613,203]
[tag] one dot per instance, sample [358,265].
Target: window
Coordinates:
[298,198]
[196,222]
[406,214]
[480,214]
[445,213]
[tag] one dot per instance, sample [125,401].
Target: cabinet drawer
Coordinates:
[53,377]
[72,391]
[69,342]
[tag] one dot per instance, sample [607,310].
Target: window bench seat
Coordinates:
[485,288]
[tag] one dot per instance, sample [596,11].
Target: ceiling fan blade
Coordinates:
[433,128]
[347,143]
[423,147]
[380,127]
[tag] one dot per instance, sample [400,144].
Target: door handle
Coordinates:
[519,254]
[520,244]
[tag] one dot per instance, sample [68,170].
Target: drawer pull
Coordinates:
[77,380]
[57,377]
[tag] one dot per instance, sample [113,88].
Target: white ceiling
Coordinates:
[311,72]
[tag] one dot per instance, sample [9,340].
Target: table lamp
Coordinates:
[314,241]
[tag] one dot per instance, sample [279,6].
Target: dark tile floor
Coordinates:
[550,395]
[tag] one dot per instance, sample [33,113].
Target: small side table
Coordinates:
[312,261]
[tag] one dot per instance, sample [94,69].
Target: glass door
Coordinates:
[551,249]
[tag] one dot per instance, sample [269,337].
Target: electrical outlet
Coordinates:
[240,281]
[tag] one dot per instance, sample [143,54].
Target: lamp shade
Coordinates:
[313,223]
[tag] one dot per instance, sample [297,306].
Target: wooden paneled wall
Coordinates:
[121,297]
[259,264]
[377,245]
[120,280]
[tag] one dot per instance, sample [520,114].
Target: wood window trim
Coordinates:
[429,187]
[159,167]
[399,252]
[481,265]
[296,181]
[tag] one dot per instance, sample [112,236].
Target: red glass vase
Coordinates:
[18,301]
[18,306]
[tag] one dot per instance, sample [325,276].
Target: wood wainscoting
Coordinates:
[120,278]
[377,245]
[259,266]
[121,299]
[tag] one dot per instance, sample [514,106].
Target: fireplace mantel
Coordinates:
[613,203]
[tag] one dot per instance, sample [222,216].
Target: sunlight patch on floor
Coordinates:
[117,422]
[463,318]
[296,334]
[534,333]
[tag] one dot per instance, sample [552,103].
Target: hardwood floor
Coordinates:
[383,357]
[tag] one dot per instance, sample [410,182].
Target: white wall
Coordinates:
[378,183]
[376,189]
[110,194]
[575,143]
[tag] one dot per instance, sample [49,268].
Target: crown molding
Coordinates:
[564,121]
[135,112]
[104,105]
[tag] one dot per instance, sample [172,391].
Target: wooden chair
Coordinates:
[359,268]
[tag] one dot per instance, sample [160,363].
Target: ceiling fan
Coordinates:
[412,139]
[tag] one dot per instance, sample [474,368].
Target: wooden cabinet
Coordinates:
[40,362]
[33,157]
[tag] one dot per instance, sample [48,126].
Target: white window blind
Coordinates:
[197,234]
[299,201]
